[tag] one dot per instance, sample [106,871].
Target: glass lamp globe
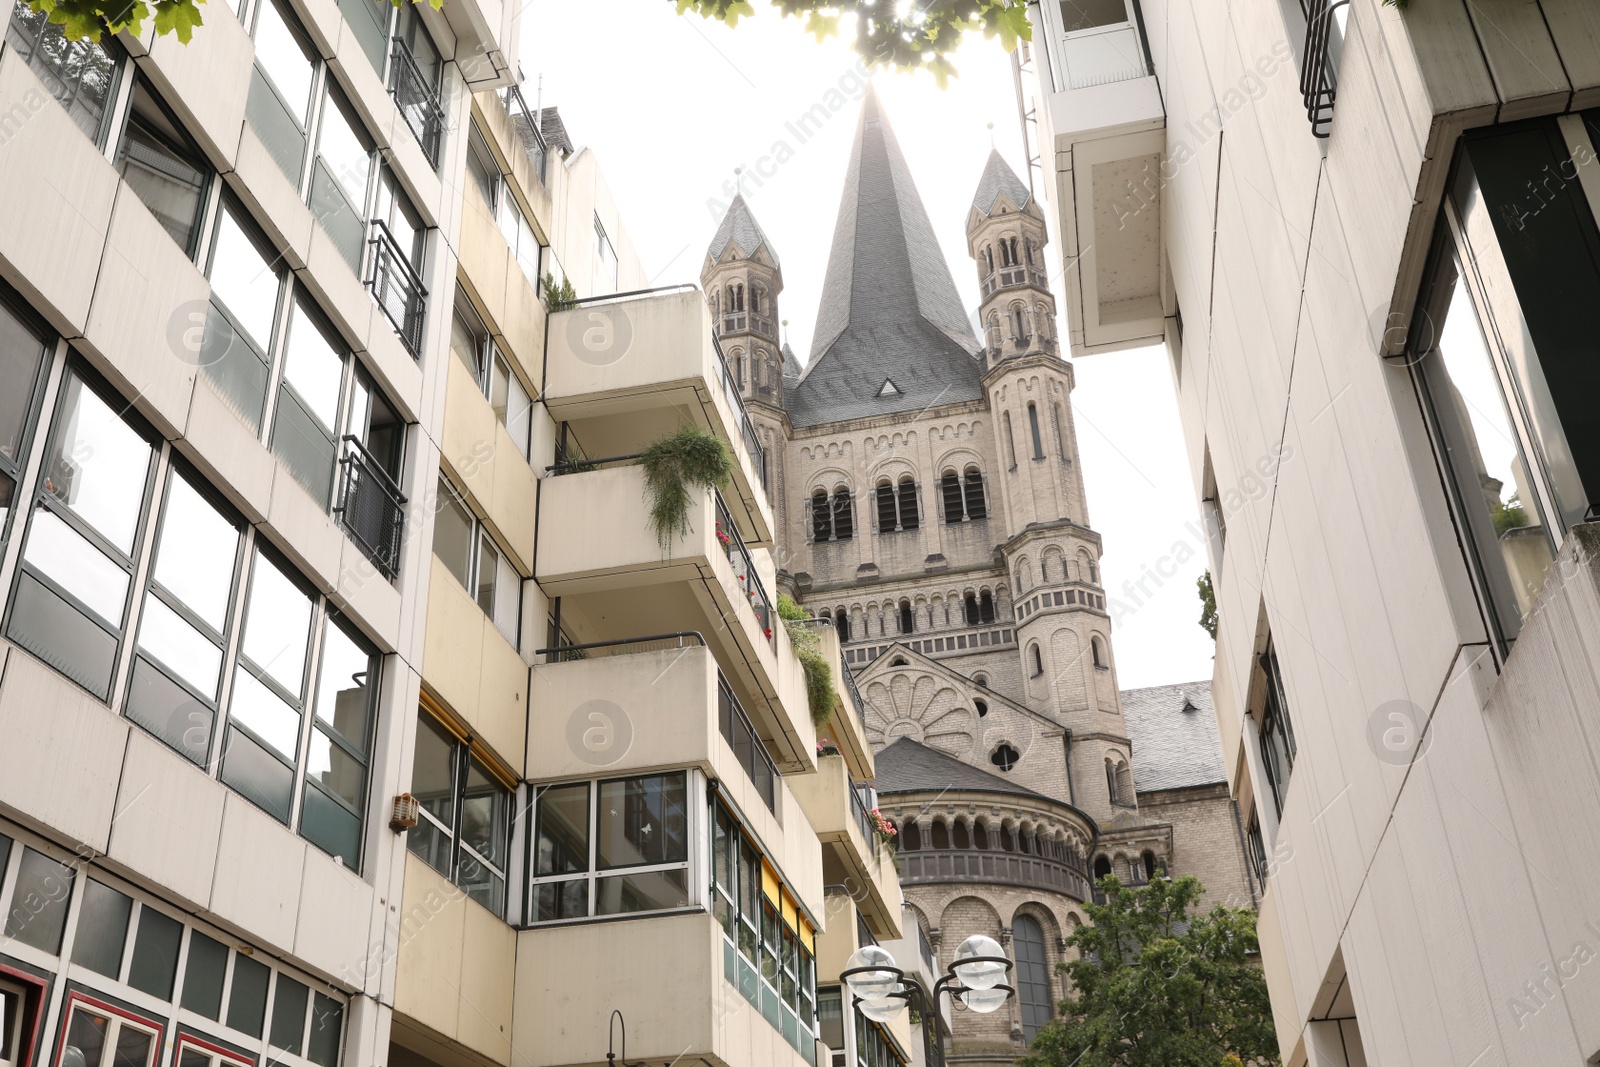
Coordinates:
[984,1000]
[874,984]
[979,975]
[883,1010]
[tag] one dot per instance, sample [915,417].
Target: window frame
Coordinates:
[465,754]
[477,533]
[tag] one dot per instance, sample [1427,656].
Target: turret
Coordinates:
[742,280]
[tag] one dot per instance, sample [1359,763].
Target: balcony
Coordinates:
[397,288]
[984,866]
[852,855]
[846,728]
[525,123]
[371,508]
[1101,119]
[597,552]
[417,100]
[625,370]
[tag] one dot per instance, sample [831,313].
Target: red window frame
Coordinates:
[31,1016]
[78,996]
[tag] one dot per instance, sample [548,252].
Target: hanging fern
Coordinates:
[808,649]
[688,459]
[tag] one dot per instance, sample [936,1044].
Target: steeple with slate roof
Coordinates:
[889,305]
[739,227]
[998,178]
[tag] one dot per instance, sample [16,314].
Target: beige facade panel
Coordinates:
[485,462]
[473,668]
[828,801]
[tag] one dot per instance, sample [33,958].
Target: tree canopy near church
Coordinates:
[922,34]
[1157,986]
[88,19]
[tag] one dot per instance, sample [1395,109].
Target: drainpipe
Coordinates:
[1066,740]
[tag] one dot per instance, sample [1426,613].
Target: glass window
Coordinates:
[202,976]
[289,1015]
[244,297]
[102,929]
[339,180]
[482,169]
[163,166]
[22,357]
[39,899]
[81,75]
[1277,732]
[511,404]
[279,105]
[308,402]
[453,527]
[336,766]
[605,256]
[247,999]
[327,1029]
[97,1038]
[1033,975]
[464,828]
[394,210]
[469,337]
[155,953]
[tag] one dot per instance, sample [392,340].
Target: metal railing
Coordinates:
[747,746]
[747,429]
[744,568]
[371,507]
[864,823]
[526,122]
[417,100]
[622,646]
[1318,68]
[397,288]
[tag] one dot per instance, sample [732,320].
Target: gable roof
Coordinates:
[1173,748]
[909,766]
[740,227]
[900,648]
[889,305]
[998,177]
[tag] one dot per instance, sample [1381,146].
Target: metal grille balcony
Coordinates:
[1319,65]
[371,508]
[746,744]
[526,122]
[417,100]
[747,429]
[397,288]
[864,823]
[744,568]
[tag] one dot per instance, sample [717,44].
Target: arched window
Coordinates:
[1006,843]
[755,301]
[980,836]
[981,679]
[1033,428]
[1005,757]
[898,661]
[886,508]
[976,506]
[950,491]
[994,329]
[1024,841]
[1028,251]
[1125,783]
[969,606]
[1008,251]
[1149,859]
[841,622]
[941,835]
[988,261]
[986,607]
[735,297]
[1033,975]
[844,526]
[1102,867]
[910,837]
[1038,660]
[907,623]
[1011,444]
[1097,650]
[959,837]
[1061,448]
[821,517]
[981,708]
[1018,319]
[909,519]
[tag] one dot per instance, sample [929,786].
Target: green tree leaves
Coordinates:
[1157,986]
[88,19]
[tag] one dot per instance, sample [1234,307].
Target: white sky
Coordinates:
[672,104]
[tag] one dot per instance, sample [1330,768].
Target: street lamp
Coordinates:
[976,975]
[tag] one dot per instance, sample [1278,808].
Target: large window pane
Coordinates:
[340,773]
[62,636]
[485,812]
[87,1033]
[134,1047]
[331,828]
[313,367]
[265,713]
[169,711]
[243,280]
[283,59]
[247,1002]
[561,900]
[97,466]
[651,891]
[452,534]
[258,776]
[196,554]
[182,649]
[277,625]
[81,75]
[343,149]
[155,954]
[162,166]
[289,1015]
[202,977]
[327,1028]
[642,821]
[488,568]
[72,562]
[38,914]
[102,929]
[563,842]
[344,690]
[21,356]
[433,775]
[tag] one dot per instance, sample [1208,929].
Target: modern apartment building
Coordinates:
[1367,238]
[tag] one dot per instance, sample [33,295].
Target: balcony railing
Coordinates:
[747,429]
[526,122]
[625,646]
[417,100]
[371,508]
[1319,66]
[1011,277]
[987,866]
[746,744]
[744,568]
[858,808]
[397,288]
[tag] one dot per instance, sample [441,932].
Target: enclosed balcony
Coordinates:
[625,370]
[1101,119]
[853,854]
[846,729]
[596,552]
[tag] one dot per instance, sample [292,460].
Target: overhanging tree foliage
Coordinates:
[1157,986]
[88,19]
[921,34]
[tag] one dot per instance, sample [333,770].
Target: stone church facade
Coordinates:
[928,488]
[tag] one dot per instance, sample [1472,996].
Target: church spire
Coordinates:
[889,308]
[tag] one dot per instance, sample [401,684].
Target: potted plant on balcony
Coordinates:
[884,827]
[808,649]
[688,458]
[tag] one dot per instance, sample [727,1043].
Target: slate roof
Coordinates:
[998,177]
[554,131]
[908,766]
[1173,748]
[889,305]
[739,226]
[791,366]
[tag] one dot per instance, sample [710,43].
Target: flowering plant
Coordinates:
[722,536]
[826,747]
[767,633]
[883,827]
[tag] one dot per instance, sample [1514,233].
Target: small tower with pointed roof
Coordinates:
[742,279]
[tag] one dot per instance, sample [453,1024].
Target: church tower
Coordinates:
[742,278]
[1063,630]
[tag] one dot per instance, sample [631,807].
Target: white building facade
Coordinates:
[1367,238]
